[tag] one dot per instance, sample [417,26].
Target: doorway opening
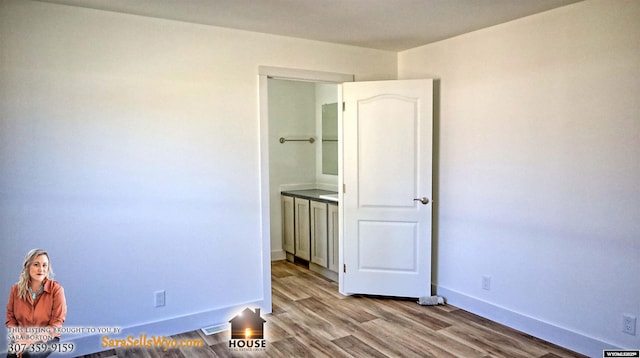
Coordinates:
[290,114]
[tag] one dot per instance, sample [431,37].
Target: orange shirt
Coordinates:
[48,310]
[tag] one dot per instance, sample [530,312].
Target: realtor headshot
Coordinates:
[36,308]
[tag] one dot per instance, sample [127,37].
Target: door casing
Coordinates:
[264,73]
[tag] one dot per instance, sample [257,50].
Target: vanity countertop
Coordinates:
[314,194]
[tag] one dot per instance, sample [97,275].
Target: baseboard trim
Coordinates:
[557,335]
[89,344]
[278,255]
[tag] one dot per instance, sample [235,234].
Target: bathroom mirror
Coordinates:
[330,138]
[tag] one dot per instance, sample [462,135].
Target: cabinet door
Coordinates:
[332,237]
[288,243]
[319,248]
[302,233]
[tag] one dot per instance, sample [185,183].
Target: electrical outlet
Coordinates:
[629,324]
[486,283]
[160,298]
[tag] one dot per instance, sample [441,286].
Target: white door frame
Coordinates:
[264,73]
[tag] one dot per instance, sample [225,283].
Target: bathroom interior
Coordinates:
[303,173]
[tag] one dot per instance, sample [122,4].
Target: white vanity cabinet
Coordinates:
[310,230]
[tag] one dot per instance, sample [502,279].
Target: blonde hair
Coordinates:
[23,281]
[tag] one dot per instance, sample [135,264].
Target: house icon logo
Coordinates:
[247,331]
[247,325]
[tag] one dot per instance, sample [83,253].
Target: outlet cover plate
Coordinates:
[160,298]
[629,324]
[486,283]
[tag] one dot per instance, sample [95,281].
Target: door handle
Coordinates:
[424,200]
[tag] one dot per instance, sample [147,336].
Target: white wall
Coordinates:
[129,148]
[538,176]
[292,115]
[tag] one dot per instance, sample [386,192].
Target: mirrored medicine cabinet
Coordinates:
[330,138]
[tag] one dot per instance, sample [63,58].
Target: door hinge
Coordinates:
[344,268]
[344,106]
[344,188]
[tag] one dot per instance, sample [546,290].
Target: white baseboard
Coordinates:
[277,255]
[88,344]
[557,335]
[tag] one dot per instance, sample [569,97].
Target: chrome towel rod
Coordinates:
[310,140]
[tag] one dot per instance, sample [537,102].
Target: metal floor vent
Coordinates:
[215,329]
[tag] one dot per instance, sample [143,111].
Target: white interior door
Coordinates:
[387,164]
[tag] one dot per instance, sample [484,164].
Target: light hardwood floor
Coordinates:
[311,319]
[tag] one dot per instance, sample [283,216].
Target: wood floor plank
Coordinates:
[291,288]
[286,324]
[357,348]
[311,321]
[389,314]
[517,339]
[280,302]
[311,286]
[326,312]
[220,350]
[555,351]
[430,344]
[419,314]
[280,271]
[521,339]
[391,341]
[319,346]
[289,347]
[495,345]
[274,330]
[353,309]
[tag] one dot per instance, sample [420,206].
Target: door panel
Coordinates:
[379,151]
[387,246]
[387,163]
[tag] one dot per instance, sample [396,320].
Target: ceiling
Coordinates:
[392,25]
